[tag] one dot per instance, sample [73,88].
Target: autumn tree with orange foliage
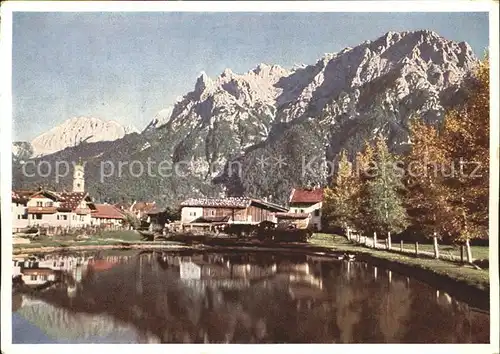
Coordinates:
[426,193]
[465,141]
[448,169]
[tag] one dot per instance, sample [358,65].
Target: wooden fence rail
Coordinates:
[371,242]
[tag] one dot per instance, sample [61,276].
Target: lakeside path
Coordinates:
[445,252]
[461,272]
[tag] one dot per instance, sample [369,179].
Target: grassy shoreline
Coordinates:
[465,273]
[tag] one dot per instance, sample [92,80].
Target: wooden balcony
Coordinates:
[42,210]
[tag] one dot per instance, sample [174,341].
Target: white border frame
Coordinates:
[238,6]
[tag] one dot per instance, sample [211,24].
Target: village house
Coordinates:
[107,215]
[141,209]
[305,208]
[66,209]
[19,210]
[44,208]
[231,210]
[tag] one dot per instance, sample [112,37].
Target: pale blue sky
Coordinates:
[128,66]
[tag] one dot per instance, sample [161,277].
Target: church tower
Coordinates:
[79,178]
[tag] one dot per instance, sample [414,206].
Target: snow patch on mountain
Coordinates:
[76,131]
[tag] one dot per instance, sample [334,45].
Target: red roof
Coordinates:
[101,264]
[71,200]
[106,211]
[307,196]
[21,196]
[123,206]
[68,200]
[229,202]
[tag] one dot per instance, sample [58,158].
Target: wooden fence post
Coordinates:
[436,248]
[375,240]
[401,246]
[469,252]
[416,248]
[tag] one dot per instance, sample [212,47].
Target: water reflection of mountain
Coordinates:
[259,298]
[74,327]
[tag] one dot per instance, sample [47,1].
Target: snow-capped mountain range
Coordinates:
[76,131]
[309,112]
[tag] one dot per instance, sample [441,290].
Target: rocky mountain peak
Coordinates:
[203,83]
[311,112]
[78,130]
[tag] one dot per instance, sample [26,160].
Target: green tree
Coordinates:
[338,204]
[359,186]
[173,213]
[427,196]
[132,220]
[387,212]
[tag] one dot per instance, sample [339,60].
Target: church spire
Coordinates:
[79,177]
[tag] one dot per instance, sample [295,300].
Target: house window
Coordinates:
[44,277]
[49,204]
[33,277]
[64,217]
[192,213]
[301,210]
[39,216]
[316,212]
[39,204]
[212,212]
[57,217]
[18,217]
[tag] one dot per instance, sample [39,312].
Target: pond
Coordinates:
[260,297]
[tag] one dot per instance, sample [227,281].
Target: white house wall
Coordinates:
[315,220]
[18,211]
[103,221]
[37,279]
[45,202]
[188,214]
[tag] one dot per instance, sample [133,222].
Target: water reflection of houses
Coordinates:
[37,276]
[68,270]
[216,271]
[189,297]
[42,271]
